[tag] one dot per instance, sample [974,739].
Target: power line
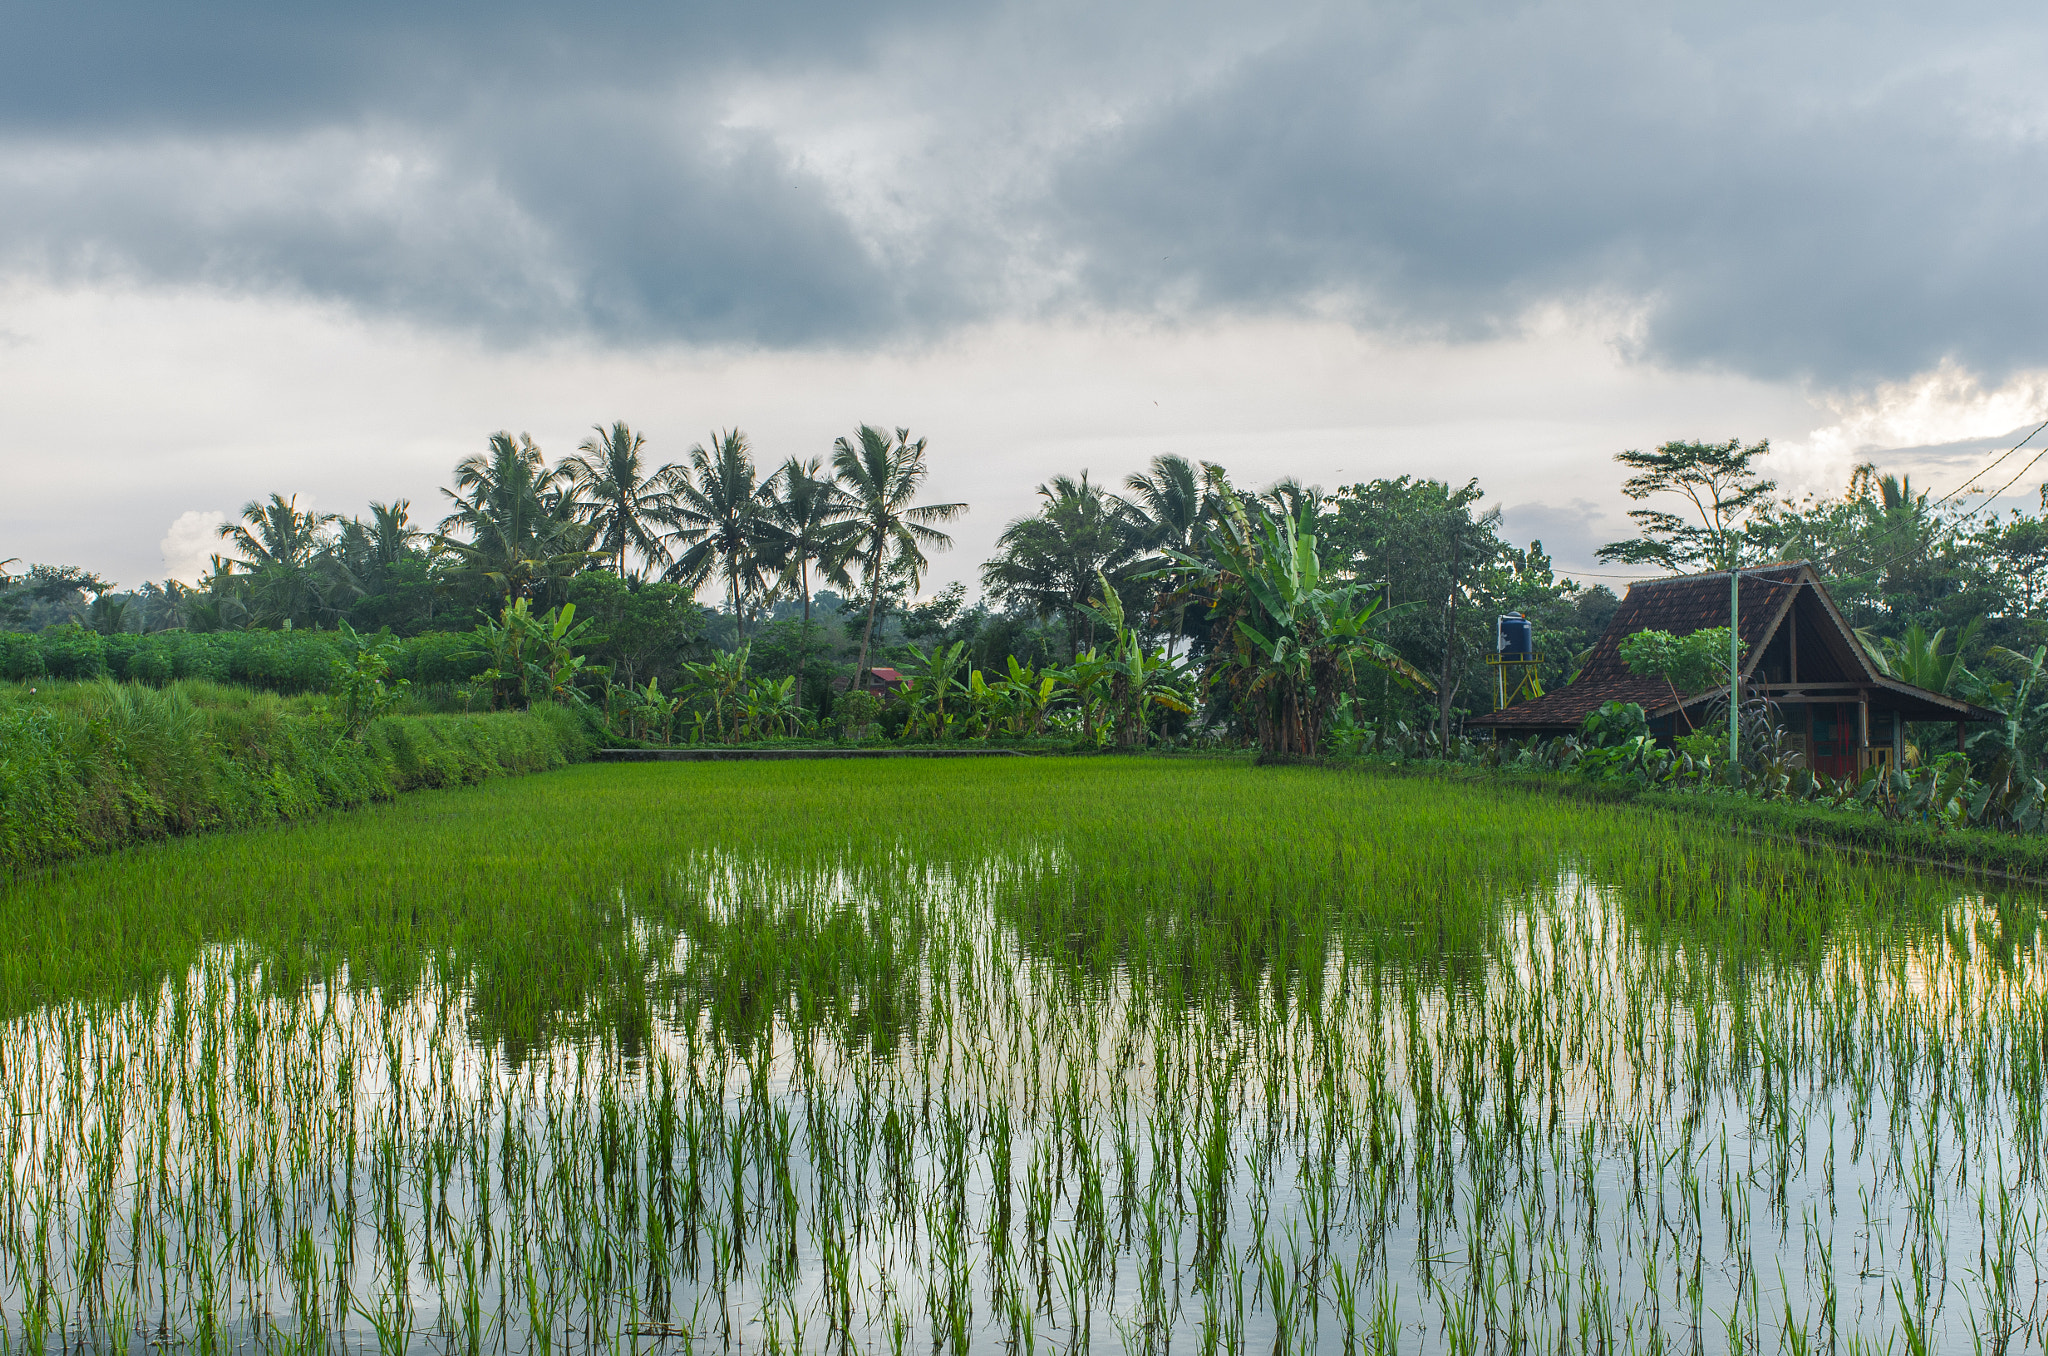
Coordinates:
[1964,487]
[2003,488]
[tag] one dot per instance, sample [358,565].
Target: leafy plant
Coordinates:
[359,679]
[1687,664]
[1614,723]
[1292,638]
[856,712]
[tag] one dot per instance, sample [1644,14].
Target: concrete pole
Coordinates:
[1734,675]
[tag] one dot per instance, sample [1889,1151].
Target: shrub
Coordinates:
[438,657]
[152,662]
[1614,723]
[855,713]
[116,649]
[72,651]
[290,661]
[113,763]
[21,657]
[199,656]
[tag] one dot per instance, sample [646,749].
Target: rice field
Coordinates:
[1015,1055]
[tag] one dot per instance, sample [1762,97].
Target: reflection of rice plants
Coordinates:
[1061,1055]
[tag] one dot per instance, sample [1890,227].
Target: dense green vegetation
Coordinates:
[1071,1053]
[93,765]
[815,566]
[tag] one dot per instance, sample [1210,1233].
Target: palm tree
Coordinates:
[392,535]
[278,533]
[720,514]
[1167,508]
[885,533]
[612,492]
[522,530]
[291,569]
[811,512]
[1290,499]
[1051,560]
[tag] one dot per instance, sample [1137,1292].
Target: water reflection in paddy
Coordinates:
[895,1106]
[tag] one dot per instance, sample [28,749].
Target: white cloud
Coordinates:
[1942,426]
[194,536]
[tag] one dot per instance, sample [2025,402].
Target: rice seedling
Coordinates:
[1089,1054]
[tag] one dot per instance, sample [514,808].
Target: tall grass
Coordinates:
[89,766]
[1087,1055]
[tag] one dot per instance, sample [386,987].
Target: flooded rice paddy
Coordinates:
[1079,1056]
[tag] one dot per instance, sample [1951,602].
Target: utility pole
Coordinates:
[1734,673]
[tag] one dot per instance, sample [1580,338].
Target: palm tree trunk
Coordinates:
[739,621]
[867,633]
[803,645]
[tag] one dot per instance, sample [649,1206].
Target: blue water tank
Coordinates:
[1514,637]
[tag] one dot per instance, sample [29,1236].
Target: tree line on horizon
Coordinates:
[819,561]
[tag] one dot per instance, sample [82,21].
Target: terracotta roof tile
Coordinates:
[1680,606]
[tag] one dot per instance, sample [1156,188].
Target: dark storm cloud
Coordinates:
[507,169]
[1837,193]
[1846,196]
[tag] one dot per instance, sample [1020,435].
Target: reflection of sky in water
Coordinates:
[1587,1136]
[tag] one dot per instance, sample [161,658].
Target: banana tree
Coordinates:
[2015,701]
[1294,638]
[933,678]
[1917,656]
[559,668]
[990,706]
[533,658]
[770,708]
[1088,679]
[719,683]
[1032,696]
[1139,680]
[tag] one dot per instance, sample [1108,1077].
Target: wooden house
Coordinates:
[1843,713]
[884,683]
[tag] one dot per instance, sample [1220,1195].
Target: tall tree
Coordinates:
[811,512]
[1050,560]
[719,515]
[1167,506]
[392,535]
[1289,498]
[278,533]
[623,499]
[1721,483]
[886,533]
[288,571]
[522,532]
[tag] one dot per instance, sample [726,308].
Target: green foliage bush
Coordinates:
[1614,724]
[21,657]
[438,657]
[89,768]
[286,662]
[72,651]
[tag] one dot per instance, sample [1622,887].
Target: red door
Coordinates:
[1832,740]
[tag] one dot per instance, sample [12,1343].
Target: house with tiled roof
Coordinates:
[1842,711]
[880,681]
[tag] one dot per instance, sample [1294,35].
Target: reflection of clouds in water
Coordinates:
[1538,1141]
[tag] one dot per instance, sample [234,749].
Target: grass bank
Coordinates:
[85,767]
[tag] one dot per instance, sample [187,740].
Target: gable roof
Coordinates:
[1771,597]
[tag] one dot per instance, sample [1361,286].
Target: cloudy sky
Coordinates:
[251,247]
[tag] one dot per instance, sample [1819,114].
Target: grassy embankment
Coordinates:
[94,765]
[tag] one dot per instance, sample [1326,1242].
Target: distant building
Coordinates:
[1843,714]
[883,683]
